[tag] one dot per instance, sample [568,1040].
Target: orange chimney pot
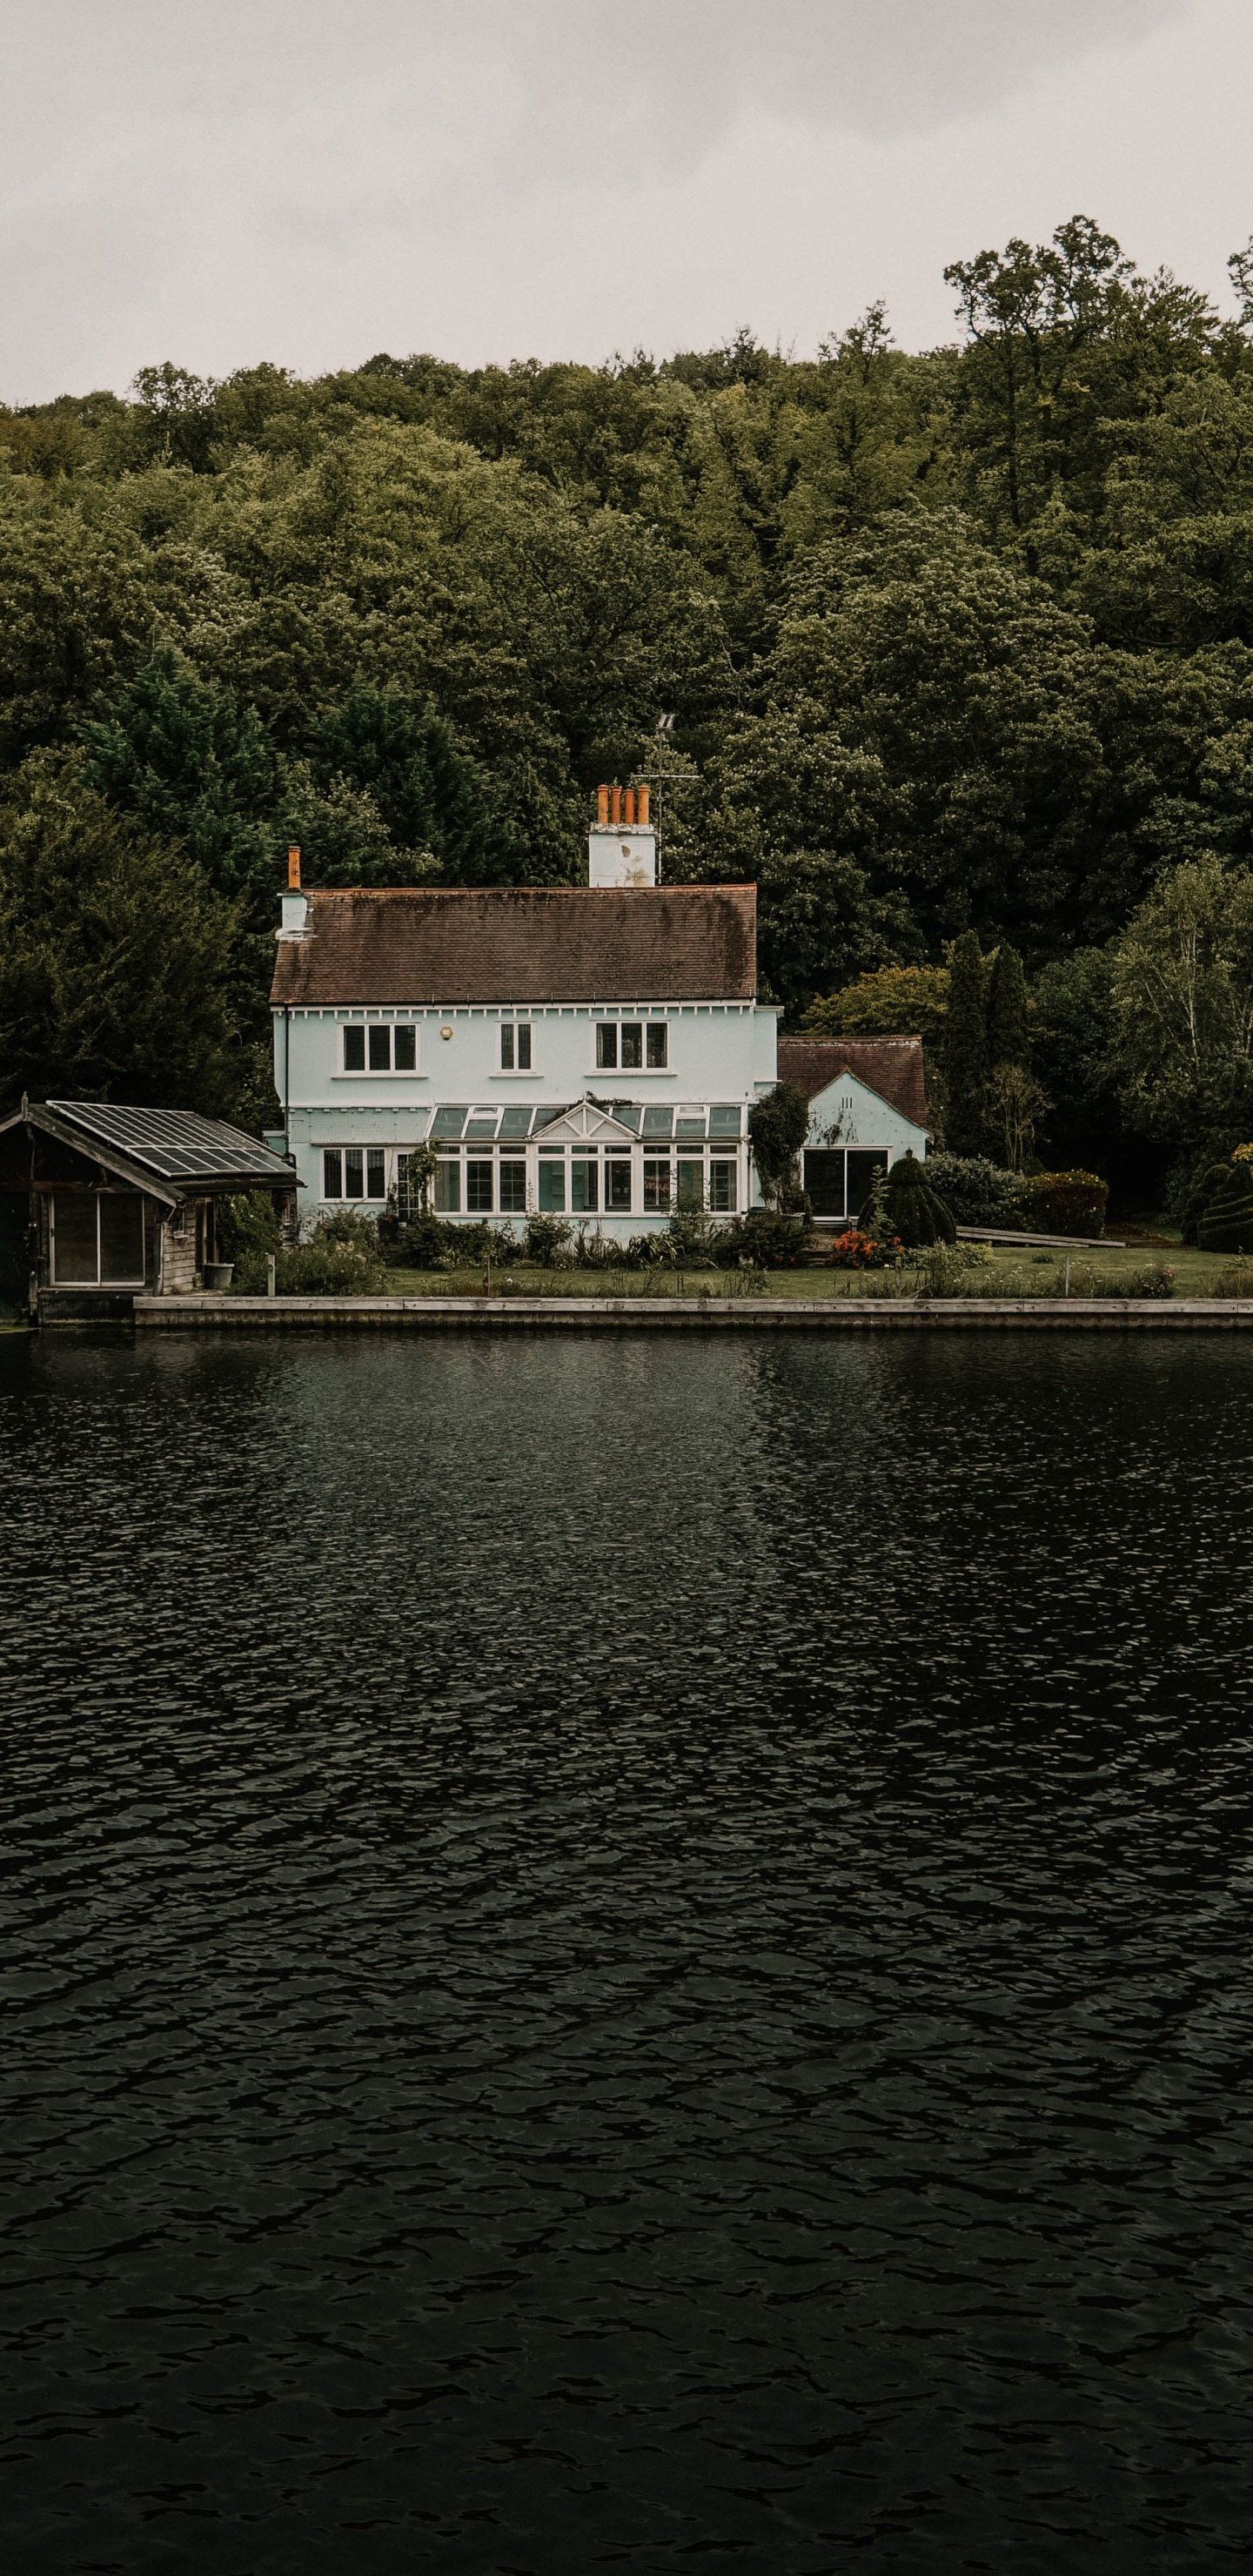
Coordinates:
[293,871]
[615,804]
[629,801]
[643,807]
[602,804]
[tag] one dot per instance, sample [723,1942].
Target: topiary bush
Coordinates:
[1227,1222]
[1210,1178]
[1063,1203]
[903,1203]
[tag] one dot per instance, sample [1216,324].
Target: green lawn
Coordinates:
[1006,1274]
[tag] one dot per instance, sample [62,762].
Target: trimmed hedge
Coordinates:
[975,1191]
[1063,1203]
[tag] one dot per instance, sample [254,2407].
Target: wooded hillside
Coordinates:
[955,641]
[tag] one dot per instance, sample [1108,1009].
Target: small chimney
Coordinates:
[293,870]
[622,845]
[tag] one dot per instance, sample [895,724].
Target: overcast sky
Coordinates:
[220,181]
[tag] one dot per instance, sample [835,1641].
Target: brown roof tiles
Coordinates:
[409,944]
[892,1067]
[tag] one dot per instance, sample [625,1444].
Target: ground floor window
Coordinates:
[838,1181]
[583,1184]
[98,1238]
[354,1172]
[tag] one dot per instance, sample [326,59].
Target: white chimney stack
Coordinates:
[295,904]
[622,845]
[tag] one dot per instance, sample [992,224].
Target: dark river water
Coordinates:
[627,1956]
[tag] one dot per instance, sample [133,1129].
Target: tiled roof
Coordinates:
[892,1067]
[412,944]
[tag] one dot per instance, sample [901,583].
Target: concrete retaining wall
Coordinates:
[703,1314]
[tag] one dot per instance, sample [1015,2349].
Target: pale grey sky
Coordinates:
[311,180]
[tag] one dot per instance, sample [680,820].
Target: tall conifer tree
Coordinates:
[1009,1040]
[966,1047]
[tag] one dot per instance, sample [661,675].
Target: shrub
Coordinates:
[1156,1279]
[1226,1224]
[902,1203]
[765,1240]
[974,1190]
[339,1258]
[547,1237]
[248,1228]
[854,1250]
[418,1243]
[1063,1203]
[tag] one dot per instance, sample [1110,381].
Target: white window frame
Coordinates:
[649,1028]
[515,1031]
[367,1072]
[376,1199]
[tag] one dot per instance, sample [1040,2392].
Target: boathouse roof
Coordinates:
[421,944]
[168,1145]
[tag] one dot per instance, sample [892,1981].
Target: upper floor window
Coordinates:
[381,1048]
[628,1045]
[515,1046]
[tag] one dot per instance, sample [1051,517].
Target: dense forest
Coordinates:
[929,646]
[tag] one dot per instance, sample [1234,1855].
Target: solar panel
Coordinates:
[174,1143]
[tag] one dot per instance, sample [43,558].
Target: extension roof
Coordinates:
[892,1067]
[421,944]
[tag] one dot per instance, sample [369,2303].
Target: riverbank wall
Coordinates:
[713,1313]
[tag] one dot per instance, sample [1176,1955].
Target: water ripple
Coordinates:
[627,1956]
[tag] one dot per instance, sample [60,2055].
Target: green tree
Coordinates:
[115,956]
[966,1065]
[887,1001]
[189,763]
[1009,1033]
[1182,989]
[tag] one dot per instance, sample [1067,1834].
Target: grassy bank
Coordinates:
[1005,1274]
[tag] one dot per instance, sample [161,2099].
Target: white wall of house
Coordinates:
[851,1128]
[716,1057]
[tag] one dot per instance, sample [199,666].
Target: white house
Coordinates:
[585,1051]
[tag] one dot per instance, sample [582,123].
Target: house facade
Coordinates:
[585,1052]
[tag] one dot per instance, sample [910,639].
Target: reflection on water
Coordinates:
[627,1956]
